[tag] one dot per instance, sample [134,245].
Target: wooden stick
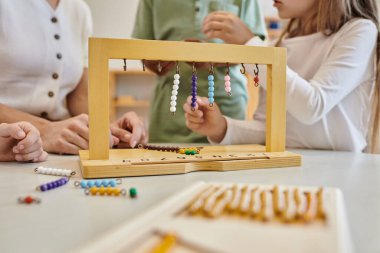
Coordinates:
[320,210]
[197,204]
[262,215]
[243,199]
[210,201]
[308,214]
[285,215]
[233,204]
[221,204]
[276,201]
[297,201]
[252,203]
[166,244]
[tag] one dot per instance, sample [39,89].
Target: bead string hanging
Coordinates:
[186,151]
[51,185]
[54,172]
[211,85]
[28,200]
[256,78]
[175,88]
[97,183]
[227,82]
[194,88]
[105,191]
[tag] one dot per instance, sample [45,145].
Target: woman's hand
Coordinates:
[226,26]
[205,120]
[21,142]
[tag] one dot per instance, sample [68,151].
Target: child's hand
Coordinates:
[226,26]
[21,142]
[129,130]
[205,120]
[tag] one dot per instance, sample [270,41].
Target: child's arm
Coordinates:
[20,142]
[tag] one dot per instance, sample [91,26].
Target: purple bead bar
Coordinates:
[53,184]
[194,92]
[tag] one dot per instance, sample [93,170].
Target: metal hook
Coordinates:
[177,69]
[211,69]
[125,64]
[159,67]
[228,69]
[256,70]
[242,70]
[143,63]
[194,69]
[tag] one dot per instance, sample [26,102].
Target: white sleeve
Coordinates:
[243,132]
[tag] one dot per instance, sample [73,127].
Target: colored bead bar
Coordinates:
[211,86]
[105,191]
[52,185]
[28,200]
[227,81]
[185,151]
[256,78]
[173,98]
[133,192]
[54,172]
[194,89]
[97,183]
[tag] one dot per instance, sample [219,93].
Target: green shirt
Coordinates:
[177,20]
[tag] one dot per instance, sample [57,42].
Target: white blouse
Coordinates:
[330,84]
[42,54]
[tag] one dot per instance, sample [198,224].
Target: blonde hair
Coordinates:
[329,17]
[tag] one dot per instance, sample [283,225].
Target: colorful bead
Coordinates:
[54,172]
[105,191]
[97,183]
[194,89]
[54,184]
[211,86]
[227,84]
[173,98]
[133,192]
[256,73]
[191,151]
[28,200]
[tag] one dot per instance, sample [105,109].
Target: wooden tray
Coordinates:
[229,233]
[139,162]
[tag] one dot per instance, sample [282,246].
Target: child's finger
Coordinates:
[41,158]
[26,148]
[29,156]
[198,118]
[12,130]
[31,138]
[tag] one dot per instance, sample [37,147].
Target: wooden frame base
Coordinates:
[138,162]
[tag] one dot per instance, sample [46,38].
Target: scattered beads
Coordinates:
[97,183]
[133,192]
[211,86]
[194,89]
[186,151]
[173,98]
[227,81]
[53,184]
[54,172]
[105,191]
[28,200]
